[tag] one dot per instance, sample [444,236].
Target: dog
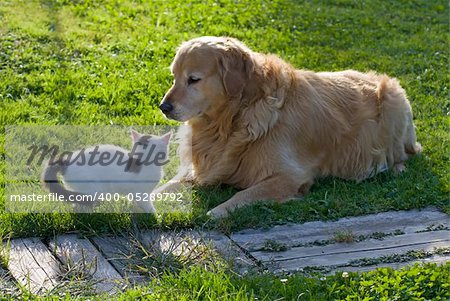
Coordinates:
[255,122]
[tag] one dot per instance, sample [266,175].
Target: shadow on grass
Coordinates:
[333,198]
[329,199]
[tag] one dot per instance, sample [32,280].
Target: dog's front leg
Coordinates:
[279,188]
[177,183]
[173,185]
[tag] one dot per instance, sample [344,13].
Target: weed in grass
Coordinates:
[5,247]
[398,232]
[434,227]
[8,289]
[171,252]
[380,235]
[408,256]
[346,236]
[274,246]
[76,277]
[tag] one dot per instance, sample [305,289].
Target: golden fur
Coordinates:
[261,125]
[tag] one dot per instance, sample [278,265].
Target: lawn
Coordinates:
[106,62]
[413,283]
[89,62]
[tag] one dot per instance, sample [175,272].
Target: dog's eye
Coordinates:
[192,80]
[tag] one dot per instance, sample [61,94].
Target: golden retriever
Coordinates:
[259,124]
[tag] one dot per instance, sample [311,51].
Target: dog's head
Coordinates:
[208,71]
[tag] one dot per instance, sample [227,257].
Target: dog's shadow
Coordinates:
[332,198]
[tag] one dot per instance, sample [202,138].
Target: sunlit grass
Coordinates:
[106,62]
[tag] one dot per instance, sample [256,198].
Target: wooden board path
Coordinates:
[118,251]
[345,254]
[32,264]
[71,249]
[314,244]
[385,222]
[39,266]
[187,241]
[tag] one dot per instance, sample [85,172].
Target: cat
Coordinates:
[111,171]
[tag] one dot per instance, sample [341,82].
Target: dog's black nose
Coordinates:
[166,107]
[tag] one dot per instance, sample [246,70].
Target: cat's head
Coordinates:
[150,146]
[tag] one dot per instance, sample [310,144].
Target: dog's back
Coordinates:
[350,124]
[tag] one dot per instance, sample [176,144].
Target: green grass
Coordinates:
[419,282]
[425,282]
[106,62]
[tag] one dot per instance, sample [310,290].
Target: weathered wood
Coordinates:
[229,250]
[33,265]
[119,251]
[344,253]
[71,248]
[109,259]
[176,242]
[386,222]
[366,245]
[186,242]
[341,259]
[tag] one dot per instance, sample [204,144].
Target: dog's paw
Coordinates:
[399,168]
[217,212]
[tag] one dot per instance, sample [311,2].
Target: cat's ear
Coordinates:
[166,137]
[135,135]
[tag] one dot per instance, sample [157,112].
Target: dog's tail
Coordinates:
[390,89]
[384,89]
[412,147]
[51,183]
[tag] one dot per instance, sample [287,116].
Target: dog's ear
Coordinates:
[236,65]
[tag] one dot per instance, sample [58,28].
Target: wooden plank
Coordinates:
[366,245]
[33,265]
[342,254]
[177,242]
[237,257]
[300,234]
[71,248]
[344,259]
[186,241]
[119,251]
